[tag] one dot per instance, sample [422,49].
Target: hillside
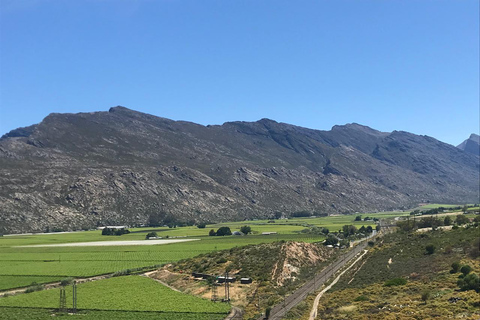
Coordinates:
[274,268]
[83,170]
[429,290]
[471,145]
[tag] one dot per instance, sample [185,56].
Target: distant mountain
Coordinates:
[471,145]
[125,167]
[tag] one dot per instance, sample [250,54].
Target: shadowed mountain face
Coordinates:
[471,145]
[124,167]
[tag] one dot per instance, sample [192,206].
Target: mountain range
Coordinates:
[74,171]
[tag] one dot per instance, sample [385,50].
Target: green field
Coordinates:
[14,313]
[132,297]
[130,293]
[20,266]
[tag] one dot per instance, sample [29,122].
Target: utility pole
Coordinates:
[63,300]
[227,288]
[74,290]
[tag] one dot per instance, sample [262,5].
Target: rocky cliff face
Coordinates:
[471,145]
[124,167]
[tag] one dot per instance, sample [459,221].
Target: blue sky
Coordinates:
[389,64]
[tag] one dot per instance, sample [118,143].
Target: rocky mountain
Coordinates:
[81,170]
[471,145]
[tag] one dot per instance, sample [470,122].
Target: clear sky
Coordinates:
[389,64]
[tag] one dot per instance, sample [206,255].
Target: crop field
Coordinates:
[129,293]
[132,297]
[60,262]
[7,282]
[14,313]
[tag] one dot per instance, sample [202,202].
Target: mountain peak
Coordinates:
[471,145]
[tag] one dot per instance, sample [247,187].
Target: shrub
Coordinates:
[470,282]
[212,233]
[361,298]
[201,225]
[34,287]
[430,249]
[152,234]
[466,269]
[455,267]
[66,282]
[425,295]
[245,229]
[396,282]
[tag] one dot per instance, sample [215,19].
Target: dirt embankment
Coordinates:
[295,255]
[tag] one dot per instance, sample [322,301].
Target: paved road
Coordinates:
[312,285]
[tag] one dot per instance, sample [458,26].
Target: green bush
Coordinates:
[152,234]
[34,287]
[469,282]
[66,282]
[224,231]
[455,267]
[430,249]
[396,282]
[466,269]
[246,229]
[361,298]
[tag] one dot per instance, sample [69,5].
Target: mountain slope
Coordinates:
[126,167]
[471,145]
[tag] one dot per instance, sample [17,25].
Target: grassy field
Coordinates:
[129,293]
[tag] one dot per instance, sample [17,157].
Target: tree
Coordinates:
[325,231]
[331,240]
[245,229]
[358,218]
[447,221]
[201,225]
[224,231]
[369,229]
[212,233]
[461,219]
[349,230]
[430,249]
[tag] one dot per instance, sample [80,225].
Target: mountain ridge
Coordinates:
[125,167]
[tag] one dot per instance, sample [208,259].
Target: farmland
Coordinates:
[132,297]
[122,294]
[49,264]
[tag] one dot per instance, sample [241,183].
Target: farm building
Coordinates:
[221,279]
[246,280]
[268,233]
[113,227]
